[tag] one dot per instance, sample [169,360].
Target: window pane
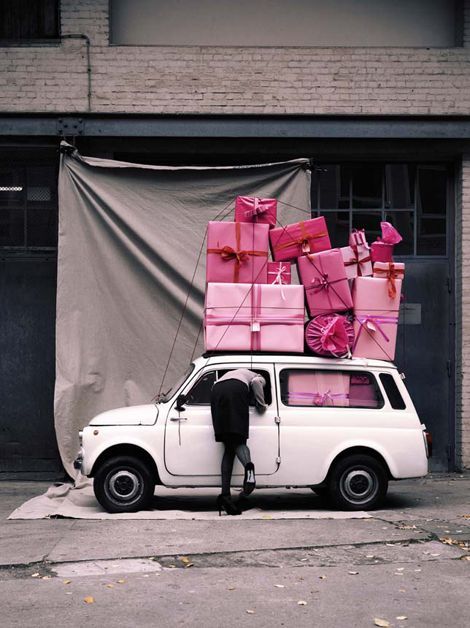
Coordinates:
[41,227]
[432,190]
[393,394]
[338,227]
[200,394]
[333,182]
[400,186]
[367,186]
[370,221]
[29,19]
[404,224]
[317,388]
[11,227]
[11,188]
[432,236]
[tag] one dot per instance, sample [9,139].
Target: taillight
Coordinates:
[428,443]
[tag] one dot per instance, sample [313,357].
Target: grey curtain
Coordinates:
[131,255]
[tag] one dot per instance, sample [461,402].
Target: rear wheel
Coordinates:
[123,484]
[358,482]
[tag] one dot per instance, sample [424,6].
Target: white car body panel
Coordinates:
[291,446]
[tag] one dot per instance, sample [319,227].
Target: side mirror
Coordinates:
[180,401]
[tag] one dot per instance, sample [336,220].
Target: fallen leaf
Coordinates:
[447,540]
[66,581]
[89,599]
[465,516]
[121,581]
[250,612]
[110,586]
[185,559]
[231,588]
[302,603]
[381,622]
[279,586]
[322,577]
[35,575]
[401,617]
[465,558]
[353,573]
[435,555]
[46,577]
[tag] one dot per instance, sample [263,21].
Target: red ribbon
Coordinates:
[390,274]
[303,240]
[355,260]
[229,254]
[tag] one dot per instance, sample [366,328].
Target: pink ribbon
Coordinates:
[373,324]
[318,399]
[257,208]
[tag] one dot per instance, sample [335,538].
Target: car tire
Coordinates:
[123,484]
[358,482]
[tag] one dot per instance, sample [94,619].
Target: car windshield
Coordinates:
[165,396]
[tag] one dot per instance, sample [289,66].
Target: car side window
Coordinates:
[393,394]
[328,388]
[200,393]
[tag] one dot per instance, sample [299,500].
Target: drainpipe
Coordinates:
[88,60]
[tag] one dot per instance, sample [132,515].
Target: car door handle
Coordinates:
[178,418]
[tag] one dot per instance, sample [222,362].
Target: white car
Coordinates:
[342,427]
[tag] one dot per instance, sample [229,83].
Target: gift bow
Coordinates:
[228,254]
[355,260]
[257,209]
[373,323]
[317,399]
[278,279]
[390,274]
[334,337]
[303,240]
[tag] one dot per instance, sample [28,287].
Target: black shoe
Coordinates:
[224,502]
[249,483]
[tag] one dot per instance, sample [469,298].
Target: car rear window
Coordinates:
[344,389]
[391,389]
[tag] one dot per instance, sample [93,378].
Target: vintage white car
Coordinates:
[342,427]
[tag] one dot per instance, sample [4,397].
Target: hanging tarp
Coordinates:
[129,240]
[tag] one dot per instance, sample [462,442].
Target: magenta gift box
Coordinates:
[254,317]
[292,241]
[279,273]
[237,252]
[318,388]
[256,210]
[376,318]
[356,260]
[326,285]
[381,251]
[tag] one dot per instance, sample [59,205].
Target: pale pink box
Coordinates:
[326,285]
[254,317]
[237,252]
[256,210]
[375,318]
[317,388]
[358,236]
[357,260]
[292,241]
[279,273]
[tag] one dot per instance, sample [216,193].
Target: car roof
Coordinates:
[289,358]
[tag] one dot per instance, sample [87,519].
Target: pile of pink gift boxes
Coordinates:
[352,294]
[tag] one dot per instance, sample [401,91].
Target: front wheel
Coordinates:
[358,482]
[123,484]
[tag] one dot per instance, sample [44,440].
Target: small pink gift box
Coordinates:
[254,317]
[317,388]
[279,273]
[358,237]
[257,210]
[237,252]
[391,271]
[376,318]
[326,285]
[381,251]
[356,260]
[292,241]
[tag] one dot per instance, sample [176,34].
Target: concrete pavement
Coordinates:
[409,559]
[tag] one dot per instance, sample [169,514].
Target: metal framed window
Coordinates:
[411,196]
[22,21]
[28,208]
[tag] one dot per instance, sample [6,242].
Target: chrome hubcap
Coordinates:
[124,485]
[359,485]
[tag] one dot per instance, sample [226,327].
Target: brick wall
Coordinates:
[229,80]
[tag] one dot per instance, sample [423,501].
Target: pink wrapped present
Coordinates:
[391,271]
[258,210]
[330,335]
[358,237]
[237,252]
[326,285]
[362,393]
[356,260]
[292,241]
[376,318]
[258,317]
[317,388]
[381,251]
[279,273]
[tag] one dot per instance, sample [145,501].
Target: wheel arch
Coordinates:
[126,449]
[359,449]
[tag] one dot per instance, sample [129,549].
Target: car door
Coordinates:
[190,447]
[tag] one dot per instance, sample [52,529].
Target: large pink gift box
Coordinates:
[376,318]
[279,273]
[326,285]
[258,317]
[356,260]
[317,388]
[257,210]
[291,241]
[237,252]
